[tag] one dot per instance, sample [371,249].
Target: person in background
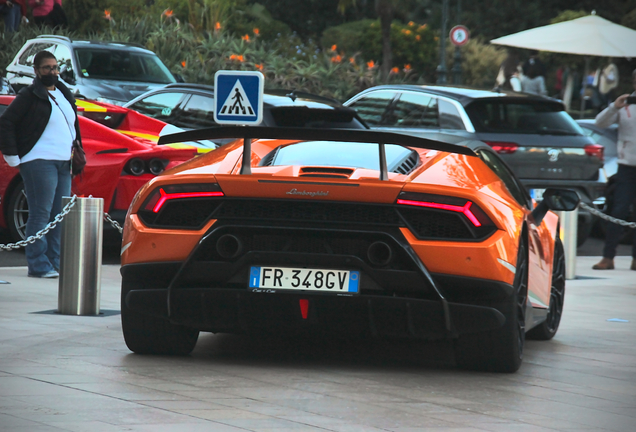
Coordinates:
[37,131]
[535,63]
[624,114]
[508,77]
[48,13]
[14,12]
[608,81]
[533,82]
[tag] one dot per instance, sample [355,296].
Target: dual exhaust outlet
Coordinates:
[229,246]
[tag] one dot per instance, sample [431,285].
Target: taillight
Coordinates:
[503,147]
[163,194]
[595,150]
[454,204]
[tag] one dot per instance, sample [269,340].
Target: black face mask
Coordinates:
[48,80]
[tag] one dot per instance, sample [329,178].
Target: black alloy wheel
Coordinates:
[18,213]
[500,350]
[547,329]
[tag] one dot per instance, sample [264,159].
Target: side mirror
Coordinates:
[555,200]
[67,75]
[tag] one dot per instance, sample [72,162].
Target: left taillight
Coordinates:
[164,194]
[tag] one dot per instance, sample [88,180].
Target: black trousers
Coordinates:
[624,197]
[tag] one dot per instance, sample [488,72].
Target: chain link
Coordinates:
[43,231]
[113,222]
[607,217]
[52,224]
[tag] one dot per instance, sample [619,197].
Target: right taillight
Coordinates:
[503,147]
[595,150]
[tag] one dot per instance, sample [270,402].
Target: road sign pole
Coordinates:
[457,62]
[246,164]
[441,69]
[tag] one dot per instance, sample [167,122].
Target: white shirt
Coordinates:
[57,139]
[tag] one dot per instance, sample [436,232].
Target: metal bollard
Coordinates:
[81,258]
[569,226]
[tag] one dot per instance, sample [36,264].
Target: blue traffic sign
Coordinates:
[238,97]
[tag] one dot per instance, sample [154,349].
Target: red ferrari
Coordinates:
[118,165]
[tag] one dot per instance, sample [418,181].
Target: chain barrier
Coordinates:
[52,224]
[43,231]
[113,222]
[607,217]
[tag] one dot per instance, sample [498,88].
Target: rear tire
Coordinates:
[18,213]
[146,334]
[500,350]
[548,328]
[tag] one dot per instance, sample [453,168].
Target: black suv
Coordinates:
[104,71]
[534,135]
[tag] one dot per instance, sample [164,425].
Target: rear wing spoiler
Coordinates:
[309,134]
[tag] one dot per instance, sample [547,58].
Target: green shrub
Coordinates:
[480,63]
[412,44]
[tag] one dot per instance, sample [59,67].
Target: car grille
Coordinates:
[424,223]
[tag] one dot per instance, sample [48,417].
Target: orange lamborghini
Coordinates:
[343,232]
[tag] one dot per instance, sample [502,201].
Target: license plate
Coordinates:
[537,194]
[287,278]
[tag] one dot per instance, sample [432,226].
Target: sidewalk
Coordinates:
[69,373]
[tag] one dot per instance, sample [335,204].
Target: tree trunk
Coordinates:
[384,8]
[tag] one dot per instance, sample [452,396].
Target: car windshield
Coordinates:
[122,65]
[340,154]
[521,117]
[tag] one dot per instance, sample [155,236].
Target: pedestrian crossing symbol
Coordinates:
[238,97]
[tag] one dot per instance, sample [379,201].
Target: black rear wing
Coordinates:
[309,134]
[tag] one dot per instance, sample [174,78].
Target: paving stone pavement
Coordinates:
[68,373]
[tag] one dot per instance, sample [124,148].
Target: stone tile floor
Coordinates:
[66,373]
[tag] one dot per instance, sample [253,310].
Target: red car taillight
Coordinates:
[503,147]
[595,150]
[163,194]
[454,204]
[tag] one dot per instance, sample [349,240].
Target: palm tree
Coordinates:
[385,10]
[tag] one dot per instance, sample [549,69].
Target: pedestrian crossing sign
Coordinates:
[238,97]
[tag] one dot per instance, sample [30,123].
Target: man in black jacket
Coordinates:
[36,133]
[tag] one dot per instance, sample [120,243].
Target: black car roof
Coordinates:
[463,95]
[272,97]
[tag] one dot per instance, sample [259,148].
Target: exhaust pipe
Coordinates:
[229,246]
[379,253]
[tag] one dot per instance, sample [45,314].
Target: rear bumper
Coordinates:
[472,305]
[240,311]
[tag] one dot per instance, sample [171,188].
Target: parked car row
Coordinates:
[534,135]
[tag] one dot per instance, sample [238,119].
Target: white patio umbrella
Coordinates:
[589,36]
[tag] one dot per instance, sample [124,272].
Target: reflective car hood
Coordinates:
[112,89]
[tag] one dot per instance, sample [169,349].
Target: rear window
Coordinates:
[123,65]
[341,154]
[521,117]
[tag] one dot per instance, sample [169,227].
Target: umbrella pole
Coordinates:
[584,86]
